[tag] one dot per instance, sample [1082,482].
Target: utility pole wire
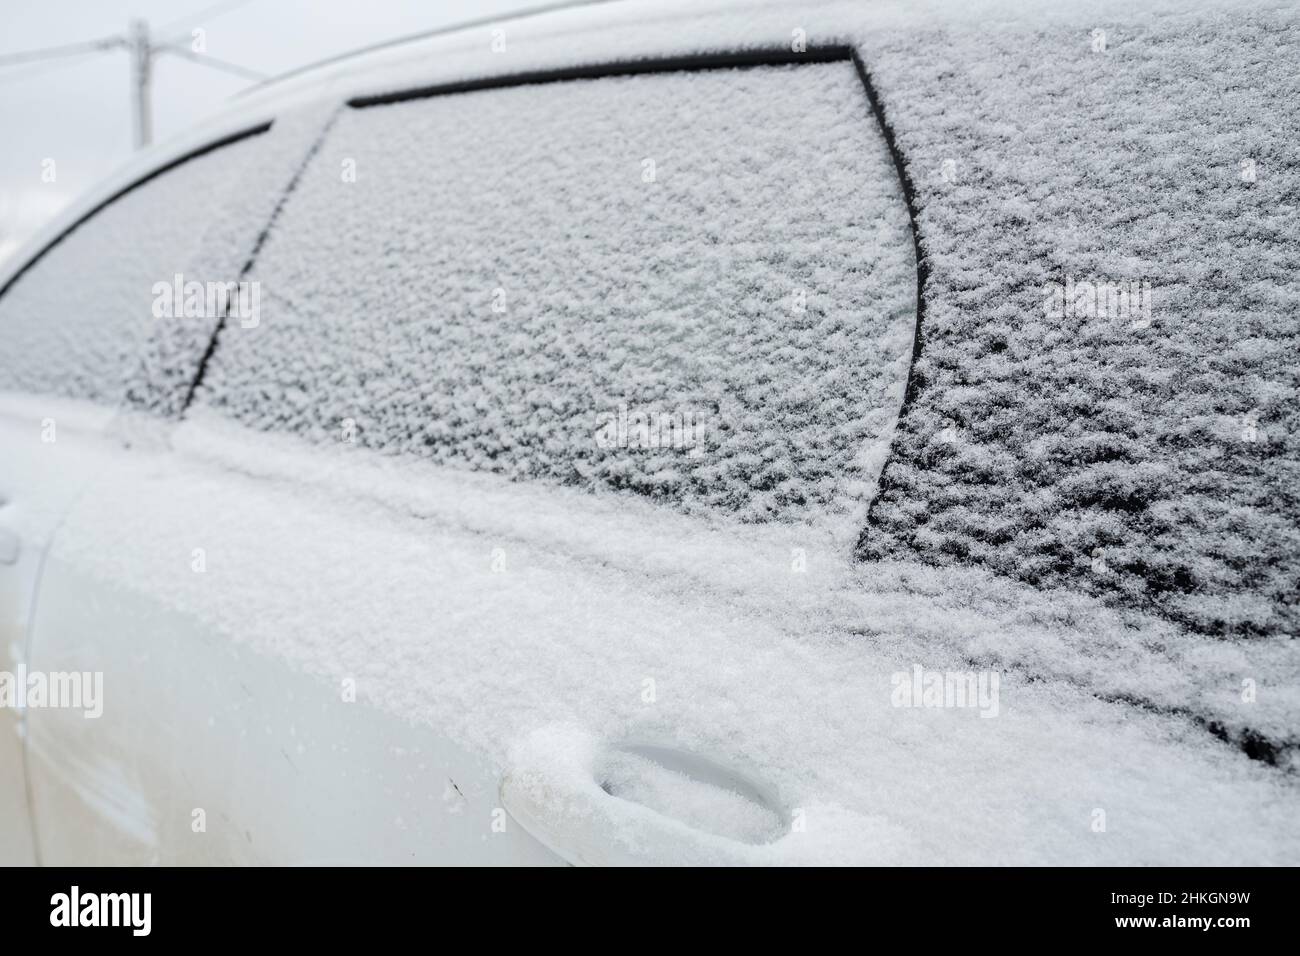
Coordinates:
[40,68]
[69,49]
[207,13]
[213,62]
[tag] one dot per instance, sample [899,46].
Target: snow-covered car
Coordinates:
[680,433]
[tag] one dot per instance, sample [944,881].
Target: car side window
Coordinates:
[73,320]
[696,286]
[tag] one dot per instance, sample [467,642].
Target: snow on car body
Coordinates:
[369,577]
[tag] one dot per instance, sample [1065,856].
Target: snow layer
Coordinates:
[512,269]
[1086,452]
[346,564]
[986,620]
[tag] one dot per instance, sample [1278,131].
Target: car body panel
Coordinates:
[43,468]
[474,614]
[212,754]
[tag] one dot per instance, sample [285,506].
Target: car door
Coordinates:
[502,335]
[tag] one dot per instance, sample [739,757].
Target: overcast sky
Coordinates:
[77,110]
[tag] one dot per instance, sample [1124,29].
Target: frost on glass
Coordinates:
[698,287]
[1153,457]
[74,323]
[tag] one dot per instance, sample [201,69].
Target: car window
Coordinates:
[73,321]
[695,286]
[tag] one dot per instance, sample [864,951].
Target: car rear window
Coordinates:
[1148,449]
[695,286]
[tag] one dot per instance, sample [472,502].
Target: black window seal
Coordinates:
[196,153]
[263,235]
[691,62]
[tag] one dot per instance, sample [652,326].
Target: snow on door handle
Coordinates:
[597,804]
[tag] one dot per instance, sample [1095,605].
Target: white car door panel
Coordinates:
[212,753]
[45,449]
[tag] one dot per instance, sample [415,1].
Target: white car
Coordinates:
[674,434]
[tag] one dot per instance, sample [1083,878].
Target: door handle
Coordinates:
[595,804]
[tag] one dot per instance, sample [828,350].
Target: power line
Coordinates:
[68,49]
[32,70]
[213,62]
[207,13]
